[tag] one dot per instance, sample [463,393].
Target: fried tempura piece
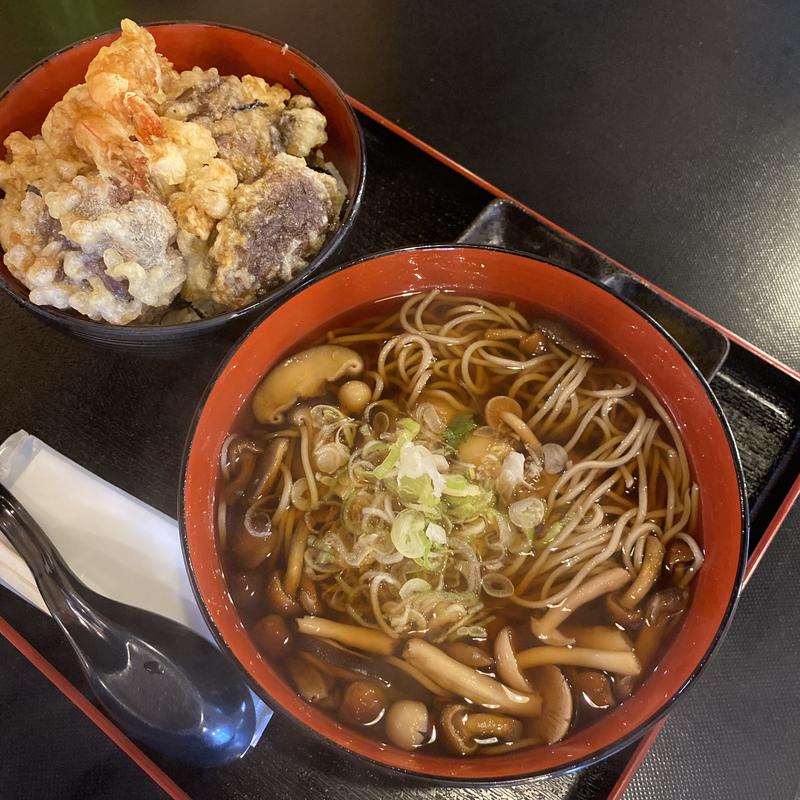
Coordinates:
[206,198]
[34,250]
[251,120]
[177,158]
[302,127]
[122,247]
[126,80]
[275,225]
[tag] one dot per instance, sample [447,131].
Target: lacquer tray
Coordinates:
[125,417]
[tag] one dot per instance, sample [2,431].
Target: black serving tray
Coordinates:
[125,417]
[505,224]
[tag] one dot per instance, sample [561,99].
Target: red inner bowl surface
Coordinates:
[189,44]
[627,337]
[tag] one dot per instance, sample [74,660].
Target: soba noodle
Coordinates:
[471,490]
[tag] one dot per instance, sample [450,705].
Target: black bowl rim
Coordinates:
[108,332]
[577,763]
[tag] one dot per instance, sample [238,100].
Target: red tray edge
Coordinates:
[156,773]
[85,705]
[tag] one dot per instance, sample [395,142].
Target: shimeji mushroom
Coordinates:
[269,465]
[660,610]
[407,724]
[354,397]
[546,627]
[564,337]
[678,558]
[308,680]
[303,375]
[468,654]
[277,599]
[648,574]
[533,343]
[294,559]
[369,639]
[467,682]
[243,453]
[484,448]
[553,723]
[506,662]
[600,637]
[628,618]
[250,550]
[594,687]
[308,597]
[620,662]
[460,727]
[505,410]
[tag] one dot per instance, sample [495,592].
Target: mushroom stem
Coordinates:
[521,429]
[601,637]
[467,682]
[617,661]
[468,654]
[506,660]
[504,409]
[609,581]
[422,679]
[629,618]
[648,574]
[368,639]
[648,640]
[269,464]
[481,726]
[294,561]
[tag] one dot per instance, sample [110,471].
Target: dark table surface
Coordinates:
[665,132]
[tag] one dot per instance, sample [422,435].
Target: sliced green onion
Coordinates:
[408,533]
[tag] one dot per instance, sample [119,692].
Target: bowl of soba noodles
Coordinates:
[464,514]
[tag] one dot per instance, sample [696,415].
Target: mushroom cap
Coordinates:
[629,618]
[303,375]
[497,406]
[407,723]
[363,702]
[553,723]
[309,680]
[277,598]
[678,552]
[484,448]
[661,607]
[354,396]
[452,730]
[506,662]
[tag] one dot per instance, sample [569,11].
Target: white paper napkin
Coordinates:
[116,544]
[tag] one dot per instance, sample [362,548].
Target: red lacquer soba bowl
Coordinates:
[628,338]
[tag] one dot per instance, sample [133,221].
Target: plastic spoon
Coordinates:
[160,682]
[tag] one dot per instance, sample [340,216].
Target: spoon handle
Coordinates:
[63,593]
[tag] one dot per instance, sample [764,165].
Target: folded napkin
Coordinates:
[116,544]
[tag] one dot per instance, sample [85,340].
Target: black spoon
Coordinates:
[160,682]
